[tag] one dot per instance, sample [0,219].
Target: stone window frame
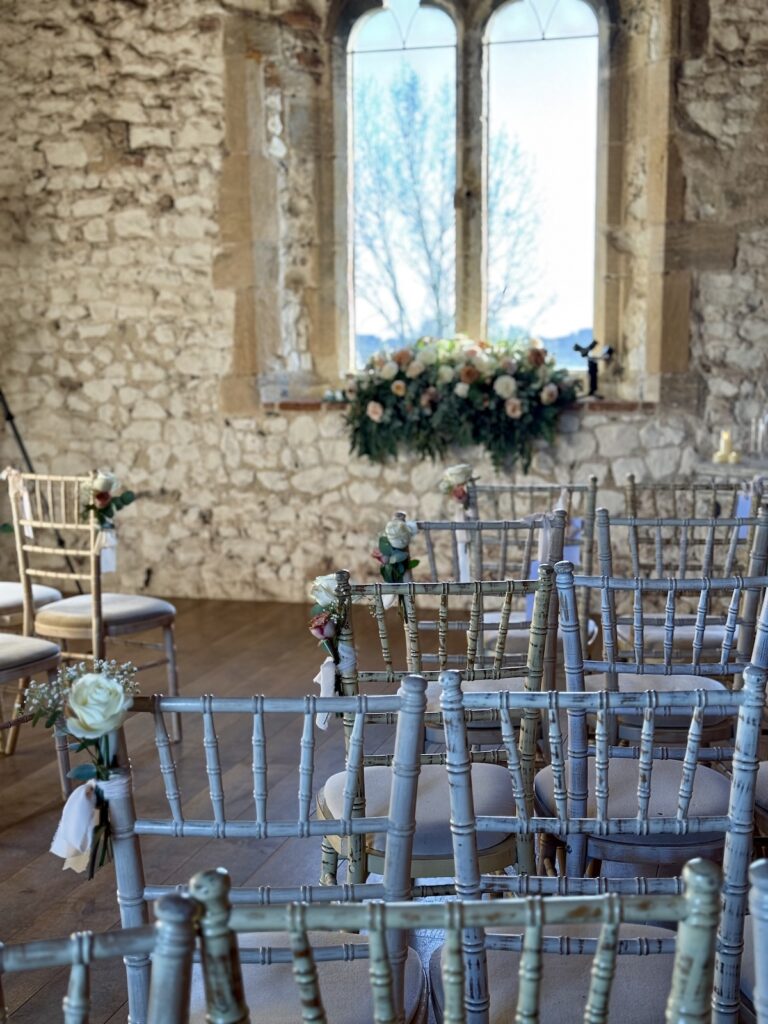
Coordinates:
[471,22]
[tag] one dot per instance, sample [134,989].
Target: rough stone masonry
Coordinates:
[159,204]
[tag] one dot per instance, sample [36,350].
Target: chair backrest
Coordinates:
[447,625]
[573,821]
[170,943]
[693,499]
[694,912]
[634,546]
[484,549]
[52,526]
[267,727]
[758,909]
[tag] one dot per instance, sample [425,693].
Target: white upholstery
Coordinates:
[117,610]
[518,639]
[638,995]
[653,637]
[629,683]
[710,797]
[23,651]
[516,684]
[272,994]
[490,785]
[12,597]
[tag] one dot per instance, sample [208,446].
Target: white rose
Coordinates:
[415,368]
[389,370]
[427,356]
[480,362]
[505,386]
[105,481]
[548,394]
[97,705]
[461,389]
[445,374]
[323,590]
[399,532]
[458,475]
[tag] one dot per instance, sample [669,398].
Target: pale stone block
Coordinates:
[133,223]
[95,231]
[146,410]
[621,467]
[140,136]
[65,154]
[616,439]
[302,431]
[660,435]
[319,480]
[94,206]
[99,390]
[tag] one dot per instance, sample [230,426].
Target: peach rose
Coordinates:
[468,374]
[374,411]
[398,388]
[548,394]
[513,407]
[403,356]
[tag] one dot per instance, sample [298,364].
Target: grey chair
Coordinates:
[601,812]
[758,909]
[432,850]
[690,499]
[170,943]
[538,991]
[258,729]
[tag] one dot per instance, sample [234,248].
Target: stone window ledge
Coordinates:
[589,405]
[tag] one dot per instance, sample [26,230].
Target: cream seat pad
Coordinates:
[653,637]
[12,597]
[638,995]
[490,785]
[272,994]
[517,639]
[24,650]
[117,610]
[514,683]
[710,797]
[630,683]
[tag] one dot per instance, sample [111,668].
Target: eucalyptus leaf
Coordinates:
[82,772]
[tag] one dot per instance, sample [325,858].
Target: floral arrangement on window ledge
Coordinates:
[455,392]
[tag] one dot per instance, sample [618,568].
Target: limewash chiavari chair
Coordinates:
[432,849]
[758,909]
[690,499]
[266,727]
[604,807]
[694,913]
[170,943]
[46,508]
[12,602]
[21,658]
[680,549]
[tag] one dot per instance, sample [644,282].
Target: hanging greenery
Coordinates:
[455,392]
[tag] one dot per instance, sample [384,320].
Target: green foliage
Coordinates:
[105,513]
[448,393]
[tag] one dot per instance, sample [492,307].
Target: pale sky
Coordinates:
[544,93]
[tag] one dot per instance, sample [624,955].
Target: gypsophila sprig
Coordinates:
[455,392]
[90,702]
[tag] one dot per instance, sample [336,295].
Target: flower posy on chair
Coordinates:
[105,501]
[90,705]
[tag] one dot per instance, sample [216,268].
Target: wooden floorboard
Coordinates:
[224,648]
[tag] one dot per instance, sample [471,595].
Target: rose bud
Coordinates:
[322,626]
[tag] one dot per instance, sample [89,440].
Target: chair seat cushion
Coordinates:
[514,683]
[116,609]
[638,995]
[517,639]
[24,650]
[710,797]
[490,785]
[12,597]
[653,637]
[272,994]
[630,683]
[761,791]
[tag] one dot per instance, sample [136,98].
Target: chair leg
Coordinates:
[173,679]
[61,743]
[13,733]
[329,864]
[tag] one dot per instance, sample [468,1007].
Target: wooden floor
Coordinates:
[225,648]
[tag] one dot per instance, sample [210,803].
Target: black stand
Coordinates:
[593,364]
[9,419]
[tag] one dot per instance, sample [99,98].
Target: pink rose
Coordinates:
[381,559]
[101,498]
[322,626]
[374,411]
[513,407]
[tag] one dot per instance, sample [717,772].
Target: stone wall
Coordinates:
[159,183]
